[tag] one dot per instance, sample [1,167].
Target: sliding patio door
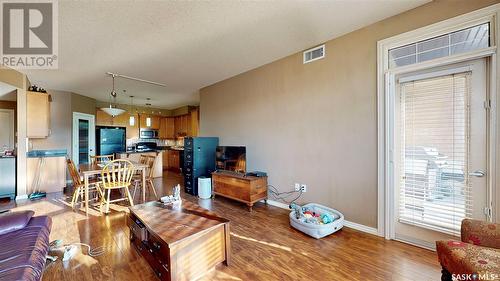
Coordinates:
[441,152]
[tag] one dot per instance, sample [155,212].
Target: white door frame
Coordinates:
[91,118]
[386,93]
[12,125]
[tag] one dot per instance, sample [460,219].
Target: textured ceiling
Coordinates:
[191,44]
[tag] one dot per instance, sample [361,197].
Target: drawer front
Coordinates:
[154,256]
[158,269]
[159,251]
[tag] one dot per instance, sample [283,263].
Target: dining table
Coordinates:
[93,169]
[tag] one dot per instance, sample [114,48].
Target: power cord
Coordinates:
[93,252]
[283,196]
[70,249]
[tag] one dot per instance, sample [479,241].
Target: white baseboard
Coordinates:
[22,197]
[277,204]
[353,225]
[361,227]
[416,242]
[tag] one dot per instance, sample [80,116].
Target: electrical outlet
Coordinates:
[297,186]
[303,188]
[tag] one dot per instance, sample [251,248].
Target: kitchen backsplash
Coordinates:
[179,142]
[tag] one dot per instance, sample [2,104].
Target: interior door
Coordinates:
[441,152]
[83,137]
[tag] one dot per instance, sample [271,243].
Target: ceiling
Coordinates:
[188,45]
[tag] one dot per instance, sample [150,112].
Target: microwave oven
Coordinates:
[148,134]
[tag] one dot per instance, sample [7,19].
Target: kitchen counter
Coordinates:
[50,166]
[5,156]
[159,149]
[140,151]
[134,156]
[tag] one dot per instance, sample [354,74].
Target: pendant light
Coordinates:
[113,110]
[148,119]
[131,119]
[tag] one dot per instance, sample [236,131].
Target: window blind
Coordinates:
[435,191]
[469,39]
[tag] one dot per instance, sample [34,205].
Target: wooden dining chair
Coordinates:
[150,161]
[100,159]
[78,185]
[117,174]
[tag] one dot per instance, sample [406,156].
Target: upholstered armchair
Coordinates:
[478,252]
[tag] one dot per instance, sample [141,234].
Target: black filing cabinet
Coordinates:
[199,160]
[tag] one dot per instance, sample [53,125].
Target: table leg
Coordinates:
[143,185]
[227,239]
[86,178]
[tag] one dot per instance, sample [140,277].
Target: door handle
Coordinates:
[478,173]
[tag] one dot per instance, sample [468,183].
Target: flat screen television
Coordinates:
[231,158]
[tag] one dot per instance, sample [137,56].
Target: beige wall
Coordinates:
[317,123]
[82,104]
[60,123]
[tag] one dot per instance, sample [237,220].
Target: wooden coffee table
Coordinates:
[179,243]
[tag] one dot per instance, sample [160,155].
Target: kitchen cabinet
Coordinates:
[155,121]
[167,128]
[181,125]
[38,114]
[103,119]
[194,121]
[165,159]
[133,131]
[122,120]
[174,163]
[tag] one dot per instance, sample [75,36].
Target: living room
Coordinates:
[252,140]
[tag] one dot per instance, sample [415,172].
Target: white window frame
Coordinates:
[386,91]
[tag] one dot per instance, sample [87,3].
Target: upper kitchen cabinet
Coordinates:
[103,119]
[132,131]
[154,122]
[38,115]
[181,125]
[194,122]
[167,128]
[123,120]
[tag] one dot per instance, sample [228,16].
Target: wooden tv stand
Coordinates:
[246,189]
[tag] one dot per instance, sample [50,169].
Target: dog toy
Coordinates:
[326,218]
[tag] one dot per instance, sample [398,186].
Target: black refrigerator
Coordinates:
[199,160]
[110,140]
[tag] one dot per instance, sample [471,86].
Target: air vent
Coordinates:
[315,53]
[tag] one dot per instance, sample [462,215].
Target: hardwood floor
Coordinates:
[264,246]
